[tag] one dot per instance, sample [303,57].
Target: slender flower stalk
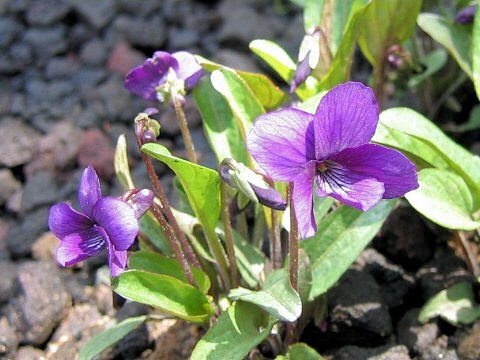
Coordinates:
[174,244]
[187,137]
[165,206]
[275,243]
[227,226]
[293,243]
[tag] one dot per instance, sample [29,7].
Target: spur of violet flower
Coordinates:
[163,74]
[104,222]
[331,148]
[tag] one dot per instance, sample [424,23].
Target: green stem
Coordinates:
[174,245]
[293,245]
[219,255]
[242,226]
[259,227]
[187,137]
[229,241]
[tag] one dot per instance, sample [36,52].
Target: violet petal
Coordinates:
[89,191]
[466,15]
[117,259]
[79,246]
[189,69]
[63,220]
[397,173]
[282,142]
[142,201]
[346,117]
[352,188]
[269,197]
[119,221]
[143,80]
[301,73]
[303,201]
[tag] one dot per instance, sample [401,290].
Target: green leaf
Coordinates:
[301,351]
[476,53]
[244,104]
[278,59]
[152,229]
[455,38]
[164,292]
[120,162]
[339,70]
[270,95]
[342,14]
[201,184]
[434,61]
[238,330]
[455,304]
[277,296]
[386,23]
[444,198]
[473,122]
[219,124]
[312,14]
[341,237]
[159,264]
[459,159]
[250,260]
[108,337]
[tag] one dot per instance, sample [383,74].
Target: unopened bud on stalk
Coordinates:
[251,184]
[146,128]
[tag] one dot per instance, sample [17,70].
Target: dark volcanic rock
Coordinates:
[96,13]
[469,347]
[47,12]
[357,314]
[96,150]
[442,272]
[394,283]
[94,52]
[117,100]
[40,189]
[382,353]
[415,336]
[147,33]
[21,237]
[60,67]
[10,185]
[9,29]
[8,339]
[8,270]
[18,142]
[40,303]
[47,42]
[405,239]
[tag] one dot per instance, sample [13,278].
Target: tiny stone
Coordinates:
[40,189]
[18,142]
[59,67]
[94,53]
[96,150]
[415,336]
[97,13]
[45,247]
[8,339]
[10,185]
[9,29]
[29,353]
[47,12]
[124,58]
[21,237]
[149,33]
[469,347]
[47,42]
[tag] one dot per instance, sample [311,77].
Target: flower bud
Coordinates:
[141,202]
[146,128]
[301,73]
[466,15]
[250,184]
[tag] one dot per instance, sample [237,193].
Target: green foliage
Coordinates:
[238,330]
[455,304]
[277,296]
[455,38]
[120,163]
[476,53]
[434,61]
[154,232]
[300,351]
[340,238]
[220,127]
[159,264]
[164,292]
[444,198]
[108,337]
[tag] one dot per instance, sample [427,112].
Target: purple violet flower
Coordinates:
[104,222]
[162,73]
[466,15]
[331,146]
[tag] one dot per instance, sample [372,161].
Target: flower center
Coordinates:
[321,167]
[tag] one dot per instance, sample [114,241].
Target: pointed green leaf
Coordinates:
[108,337]
[341,237]
[444,198]
[201,184]
[159,264]
[277,296]
[473,122]
[120,162]
[455,304]
[476,53]
[387,23]
[152,229]
[301,351]
[164,292]
[269,94]
[459,159]
[278,59]
[244,104]
[455,38]
[219,124]
[238,330]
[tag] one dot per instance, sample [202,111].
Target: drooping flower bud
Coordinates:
[146,128]
[466,15]
[141,202]
[301,74]
[251,184]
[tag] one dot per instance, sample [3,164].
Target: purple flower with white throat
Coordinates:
[164,74]
[103,223]
[331,147]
